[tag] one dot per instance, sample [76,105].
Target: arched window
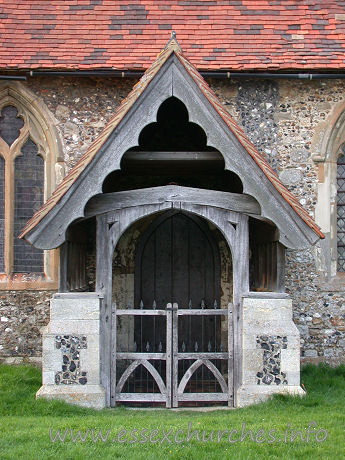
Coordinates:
[341,211]
[22,175]
[28,164]
[329,157]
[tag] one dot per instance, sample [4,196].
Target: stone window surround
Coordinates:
[40,126]
[328,148]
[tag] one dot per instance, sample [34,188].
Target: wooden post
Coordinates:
[230,355]
[63,267]
[113,356]
[241,286]
[280,283]
[169,354]
[104,286]
[174,354]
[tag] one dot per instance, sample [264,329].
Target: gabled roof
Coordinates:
[94,151]
[218,34]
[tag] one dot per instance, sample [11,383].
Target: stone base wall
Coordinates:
[271,349]
[71,354]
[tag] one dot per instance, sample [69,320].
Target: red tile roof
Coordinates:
[215,34]
[127,103]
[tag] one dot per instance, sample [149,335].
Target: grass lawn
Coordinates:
[25,424]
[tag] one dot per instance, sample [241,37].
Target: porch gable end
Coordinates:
[171,75]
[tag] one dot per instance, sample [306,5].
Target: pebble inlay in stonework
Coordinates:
[271,371]
[70,346]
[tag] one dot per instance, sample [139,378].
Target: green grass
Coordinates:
[25,423]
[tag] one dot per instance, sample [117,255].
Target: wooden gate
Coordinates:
[177,368]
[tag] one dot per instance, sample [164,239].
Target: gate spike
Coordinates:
[128,305]
[183,347]
[154,305]
[141,305]
[147,346]
[122,348]
[209,346]
[202,304]
[135,346]
[221,347]
[190,303]
[160,347]
[196,346]
[215,305]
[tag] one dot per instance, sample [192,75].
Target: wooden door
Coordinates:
[177,261]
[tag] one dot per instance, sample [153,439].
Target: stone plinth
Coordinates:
[71,355]
[271,348]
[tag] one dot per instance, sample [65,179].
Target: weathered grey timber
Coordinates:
[172,157]
[63,267]
[172,80]
[103,285]
[173,391]
[204,355]
[102,203]
[198,312]
[189,372]
[149,367]
[111,225]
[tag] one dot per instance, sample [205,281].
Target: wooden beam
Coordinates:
[145,157]
[107,202]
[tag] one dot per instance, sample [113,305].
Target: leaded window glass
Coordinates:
[21,192]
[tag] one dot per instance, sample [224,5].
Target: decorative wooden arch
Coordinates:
[210,366]
[171,75]
[112,224]
[131,368]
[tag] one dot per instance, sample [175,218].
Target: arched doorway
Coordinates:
[173,346]
[177,261]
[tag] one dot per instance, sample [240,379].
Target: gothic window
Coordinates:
[21,192]
[341,211]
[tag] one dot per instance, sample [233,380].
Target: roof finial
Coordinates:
[173,43]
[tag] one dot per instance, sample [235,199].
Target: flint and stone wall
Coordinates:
[285,119]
